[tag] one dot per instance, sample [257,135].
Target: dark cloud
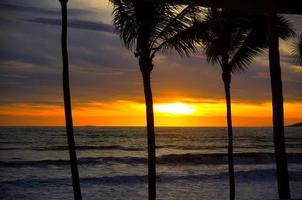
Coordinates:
[38,10]
[101,68]
[80,24]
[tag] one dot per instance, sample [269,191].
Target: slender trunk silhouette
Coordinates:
[277,103]
[67,107]
[148,28]
[146,68]
[226,76]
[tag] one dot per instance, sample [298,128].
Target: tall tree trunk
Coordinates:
[227,80]
[67,107]
[150,135]
[278,118]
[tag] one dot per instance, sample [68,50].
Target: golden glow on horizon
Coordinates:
[181,112]
[175,108]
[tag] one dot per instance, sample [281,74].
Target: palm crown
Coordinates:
[236,37]
[153,27]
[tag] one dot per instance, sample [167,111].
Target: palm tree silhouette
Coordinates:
[276,31]
[67,106]
[148,28]
[229,41]
[232,39]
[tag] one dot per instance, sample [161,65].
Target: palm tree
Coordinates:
[148,28]
[67,106]
[229,42]
[232,39]
[278,29]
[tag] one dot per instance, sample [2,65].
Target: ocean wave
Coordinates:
[29,146]
[82,161]
[174,159]
[88,147]
[222,158]
[106,147]
[255,175]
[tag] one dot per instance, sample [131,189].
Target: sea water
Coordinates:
[191,163]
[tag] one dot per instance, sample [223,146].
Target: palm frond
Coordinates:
[155,27]
[184,42]
[217,39]
[125,21]
[248,49]
[297,49]
[284,28]
[178,19]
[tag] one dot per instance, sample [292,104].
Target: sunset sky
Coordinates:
[106,83]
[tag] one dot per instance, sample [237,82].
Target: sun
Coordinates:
[175,108]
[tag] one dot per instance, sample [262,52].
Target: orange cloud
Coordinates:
[188,112]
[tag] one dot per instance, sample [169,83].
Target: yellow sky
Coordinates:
[182,112]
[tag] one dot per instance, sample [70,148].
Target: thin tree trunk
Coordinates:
[227,80]
[150,136]
[67,107]
[278,118]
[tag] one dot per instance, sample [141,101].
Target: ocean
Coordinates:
[191,163]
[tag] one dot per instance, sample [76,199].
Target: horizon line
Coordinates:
[138,126]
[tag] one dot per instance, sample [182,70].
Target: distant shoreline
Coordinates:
[299,124]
